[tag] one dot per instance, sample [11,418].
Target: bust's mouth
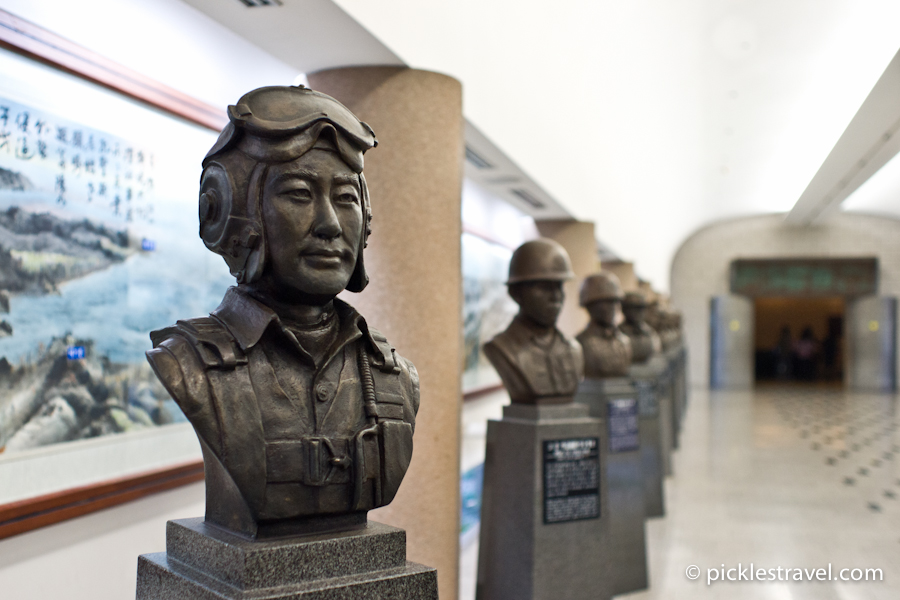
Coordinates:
[324,252]
[324,258]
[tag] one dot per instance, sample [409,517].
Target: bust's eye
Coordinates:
[298,194]
[347,198]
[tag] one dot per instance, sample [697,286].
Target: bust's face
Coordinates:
[634,314]
[312,210]
[540,301]
[603,312]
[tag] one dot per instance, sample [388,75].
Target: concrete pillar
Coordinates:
[577,237]
[415,293]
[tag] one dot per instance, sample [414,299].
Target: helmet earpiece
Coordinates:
[230,223]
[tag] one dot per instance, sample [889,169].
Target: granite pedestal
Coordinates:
[680,383]
[614,402]
[667,383]
[645,378]
[545,510]
[658,367]
[204,562]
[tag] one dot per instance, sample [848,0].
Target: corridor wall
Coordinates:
[700,269]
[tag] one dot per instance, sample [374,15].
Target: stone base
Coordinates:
[625,482]
[679,386]
[522,557]
[203,562]
[653,454]
[673,358]
[656,370]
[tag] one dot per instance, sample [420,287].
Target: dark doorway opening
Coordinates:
[799,339]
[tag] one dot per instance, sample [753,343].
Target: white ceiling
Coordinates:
[655,117]
[651,118]
[869,142]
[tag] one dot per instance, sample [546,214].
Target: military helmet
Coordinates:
[635,299]
[267,126]
[600,286]
[540,260]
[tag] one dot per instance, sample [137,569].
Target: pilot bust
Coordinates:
[537,363]
[607,351]
[644,340]
[304,412]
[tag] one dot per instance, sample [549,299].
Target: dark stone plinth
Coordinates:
[656,371]
[678,361]
[645,378]
[521,557]
[673,358]
[206,562]
[625,482]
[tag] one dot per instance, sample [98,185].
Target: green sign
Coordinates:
[805,277]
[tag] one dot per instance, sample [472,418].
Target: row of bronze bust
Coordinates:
[536,362]
[305,413]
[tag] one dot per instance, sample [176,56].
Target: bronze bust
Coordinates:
[304,412]
[669,329]
[607,351]
[537,363]
[644,340]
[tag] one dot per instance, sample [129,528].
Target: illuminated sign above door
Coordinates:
[805,277]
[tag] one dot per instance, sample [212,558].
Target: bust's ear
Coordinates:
[515,292]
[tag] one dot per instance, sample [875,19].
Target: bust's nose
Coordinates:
[326,224]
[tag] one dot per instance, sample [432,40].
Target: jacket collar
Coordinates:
[530,331]
[247,319]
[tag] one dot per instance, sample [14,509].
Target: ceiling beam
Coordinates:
[871,139]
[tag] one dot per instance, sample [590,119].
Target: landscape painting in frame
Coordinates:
[98,246]
[487,307]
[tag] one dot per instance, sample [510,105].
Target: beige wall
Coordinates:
[700,269]
[625,272]
[577,237]
[93,557]
[415,294]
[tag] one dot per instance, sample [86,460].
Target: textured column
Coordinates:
[415,294]
[577,237]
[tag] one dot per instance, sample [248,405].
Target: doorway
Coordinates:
[799,339]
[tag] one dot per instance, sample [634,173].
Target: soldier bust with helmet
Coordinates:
[607,351]
[305,413]
[644,340]
[537,363]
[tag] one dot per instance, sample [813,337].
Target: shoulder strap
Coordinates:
[230,402]
[213,343]
[385,357]
[502,343]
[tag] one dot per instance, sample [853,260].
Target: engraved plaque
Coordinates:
[622,423]
[571,480]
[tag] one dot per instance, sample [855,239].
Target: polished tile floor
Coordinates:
[796,478]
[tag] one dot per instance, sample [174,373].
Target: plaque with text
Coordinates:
[571,480]
[646,393]
[622,423]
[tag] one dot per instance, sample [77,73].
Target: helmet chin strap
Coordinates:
[360,279]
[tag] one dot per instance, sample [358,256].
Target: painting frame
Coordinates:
[35,43]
